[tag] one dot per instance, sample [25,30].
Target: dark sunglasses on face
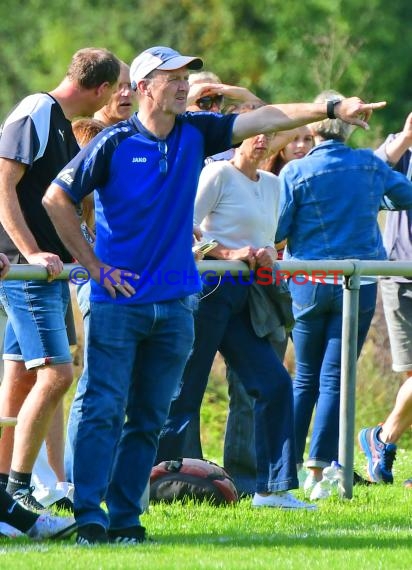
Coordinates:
[206,103]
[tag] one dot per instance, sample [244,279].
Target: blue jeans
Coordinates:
[239,453]
[222,323]
[317,340]
[83,300]
[36,330]
[136,356]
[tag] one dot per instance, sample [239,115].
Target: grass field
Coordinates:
[372,531]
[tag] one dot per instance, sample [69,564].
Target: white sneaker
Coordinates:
[47,496]
[9,531]
[281,500]
[309,484]
[67,488]
[50,526]
[322,490]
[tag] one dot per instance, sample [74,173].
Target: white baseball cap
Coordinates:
[160,57]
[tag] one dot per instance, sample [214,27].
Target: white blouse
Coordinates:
[235,210]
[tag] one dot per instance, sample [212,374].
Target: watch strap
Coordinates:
[330,108]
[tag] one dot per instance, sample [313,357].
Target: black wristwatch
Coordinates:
[330,108]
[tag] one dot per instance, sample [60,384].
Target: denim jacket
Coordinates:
[330,200]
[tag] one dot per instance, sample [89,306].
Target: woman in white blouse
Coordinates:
[237,205]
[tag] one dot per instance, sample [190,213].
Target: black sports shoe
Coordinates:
[129,535]
[26,499]
[90,534]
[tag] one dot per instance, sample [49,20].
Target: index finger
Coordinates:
[368,108]
[372,106]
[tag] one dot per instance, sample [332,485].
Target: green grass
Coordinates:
[371,531]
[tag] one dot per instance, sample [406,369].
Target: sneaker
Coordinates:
[309,483]
[50,526]
[63,504]
[66,488]
[90,534]
[380,456]
[282,500]
[8,531]
[130,535]
[51,496]
[26,499]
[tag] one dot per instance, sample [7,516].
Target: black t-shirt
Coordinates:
[37,133]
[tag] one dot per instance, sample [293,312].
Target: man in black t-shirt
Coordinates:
[36,142]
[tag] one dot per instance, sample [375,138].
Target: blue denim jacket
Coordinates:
[330,200]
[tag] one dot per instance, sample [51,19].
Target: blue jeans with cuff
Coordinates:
[239,452]
[317,341]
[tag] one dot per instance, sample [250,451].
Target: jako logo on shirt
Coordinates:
[139,159]
[65,176]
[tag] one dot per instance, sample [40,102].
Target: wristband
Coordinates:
[330,108]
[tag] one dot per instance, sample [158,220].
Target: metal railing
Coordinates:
[351,270]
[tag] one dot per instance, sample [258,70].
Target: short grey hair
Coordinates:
[331,128]
[204,77]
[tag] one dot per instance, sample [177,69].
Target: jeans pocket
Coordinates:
[190,303]
[303,294]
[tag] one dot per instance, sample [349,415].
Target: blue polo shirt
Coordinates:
[144,214]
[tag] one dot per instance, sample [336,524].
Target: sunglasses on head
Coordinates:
[162,147]
[206,103]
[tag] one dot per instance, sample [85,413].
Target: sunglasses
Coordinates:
[206,103]
[162,146]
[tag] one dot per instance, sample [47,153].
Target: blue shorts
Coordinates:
[36,331]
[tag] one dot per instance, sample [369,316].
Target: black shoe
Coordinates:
[26,499]
[63,504]
[90,534]
[129,535]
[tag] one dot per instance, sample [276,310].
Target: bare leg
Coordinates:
[400,418]
[17,383]
[36,414]
[316,472]
[55,443]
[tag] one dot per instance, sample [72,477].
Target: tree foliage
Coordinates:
[283,51]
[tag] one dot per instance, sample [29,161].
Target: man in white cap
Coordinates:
[145,172]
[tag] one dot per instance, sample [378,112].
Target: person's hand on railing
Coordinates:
[50,261]
[266,256]
[247,254]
